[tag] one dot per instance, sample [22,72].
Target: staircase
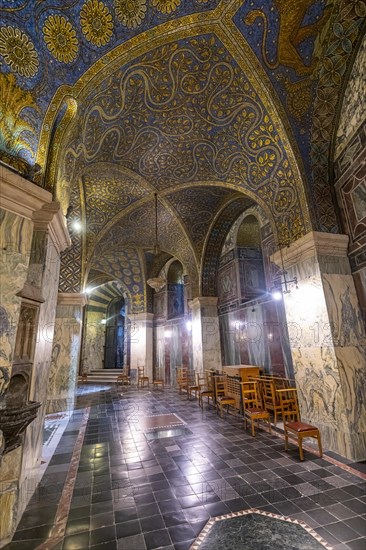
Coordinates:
[102,376]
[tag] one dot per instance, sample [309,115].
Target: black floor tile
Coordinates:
[156,539]
[120,504]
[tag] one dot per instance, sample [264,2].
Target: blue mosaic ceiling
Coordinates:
[197,99]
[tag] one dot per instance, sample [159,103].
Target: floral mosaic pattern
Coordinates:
[96,22]
[60,38]
[131,12]
[18,51]
[166,6]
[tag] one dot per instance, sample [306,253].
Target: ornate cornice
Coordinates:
[313,244]
[71,299]
[20,196]
[51,219]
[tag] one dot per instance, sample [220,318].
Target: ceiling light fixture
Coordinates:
[157,283]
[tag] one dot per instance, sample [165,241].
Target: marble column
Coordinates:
[19,199]
[93,341]
[327,339]
[141,343]
[65,352]
[206,348]
[50,237]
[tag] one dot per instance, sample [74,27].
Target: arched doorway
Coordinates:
[115,341]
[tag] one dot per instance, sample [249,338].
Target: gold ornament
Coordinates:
[18,51]
[60,38]
[130,12]
[96,22]
[166,6]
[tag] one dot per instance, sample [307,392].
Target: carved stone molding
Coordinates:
[50,218]
[310,245]
[19,195]
[71,299]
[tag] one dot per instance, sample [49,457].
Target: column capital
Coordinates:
[203,301]
[312,244]
[50,218]
[141,317]
[20,196]
[71,299]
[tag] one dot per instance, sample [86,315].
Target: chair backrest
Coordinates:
[209,379]
[200,379]
[140,372]
[220,385]
[249,395]
[269,391]
[233,389]
[289,404]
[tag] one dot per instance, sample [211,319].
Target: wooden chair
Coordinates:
[158,380]
[182,378]
[270,399]
[142,379]
[252,410]
[207,390]
[123,378]
[196,386]
[223,397]
[292,424]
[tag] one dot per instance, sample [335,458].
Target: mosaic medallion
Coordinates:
[257,530]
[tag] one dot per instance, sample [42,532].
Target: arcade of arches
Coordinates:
[253,139]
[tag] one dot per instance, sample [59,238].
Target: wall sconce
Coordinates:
[281,282]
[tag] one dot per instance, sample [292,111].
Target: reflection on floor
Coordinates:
[113,484]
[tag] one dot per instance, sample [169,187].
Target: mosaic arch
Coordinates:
[58,42]
[216,241]
[127,266]
[135,229]
[162,116]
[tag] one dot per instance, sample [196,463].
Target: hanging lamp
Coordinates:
[157,283]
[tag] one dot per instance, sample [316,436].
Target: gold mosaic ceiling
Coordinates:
[202,101]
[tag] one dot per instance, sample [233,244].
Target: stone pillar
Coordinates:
[141,343]
[65,352]
[50,237]
[327,339]
[19,199]
[205,334]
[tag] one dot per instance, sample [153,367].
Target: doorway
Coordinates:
[114,350]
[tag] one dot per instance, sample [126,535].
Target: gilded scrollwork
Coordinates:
[186,112]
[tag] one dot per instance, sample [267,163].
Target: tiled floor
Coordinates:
[113,485]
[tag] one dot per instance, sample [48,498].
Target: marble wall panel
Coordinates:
[33,441]
[327,338]
[94,341]
[172,349]
[257,335]
[9,475]
[64,358]
[15,246]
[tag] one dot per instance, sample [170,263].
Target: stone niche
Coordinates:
[19,412]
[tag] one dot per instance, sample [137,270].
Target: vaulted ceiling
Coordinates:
[210,104]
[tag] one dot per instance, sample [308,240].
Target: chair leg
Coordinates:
[299,439]
[320,445]
[253,428]
[286,441]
